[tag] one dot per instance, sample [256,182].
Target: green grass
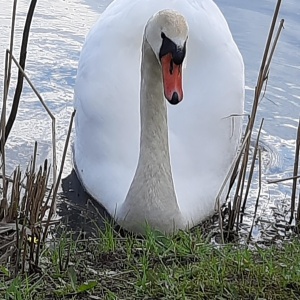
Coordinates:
[110,266]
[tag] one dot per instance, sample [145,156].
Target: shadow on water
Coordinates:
[77,209]
[81,214]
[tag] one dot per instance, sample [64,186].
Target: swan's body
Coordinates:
[168,171]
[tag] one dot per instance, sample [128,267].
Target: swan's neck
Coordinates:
[152,189]
[154,144]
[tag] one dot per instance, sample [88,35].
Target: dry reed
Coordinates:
[27,204]
[243,173]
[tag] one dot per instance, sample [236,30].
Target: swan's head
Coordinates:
[167,33]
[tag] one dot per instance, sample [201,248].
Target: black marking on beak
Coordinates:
[175,99]
[168,46]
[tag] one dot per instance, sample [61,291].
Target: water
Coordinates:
[58,31]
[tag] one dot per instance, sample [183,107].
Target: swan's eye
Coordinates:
[163,36]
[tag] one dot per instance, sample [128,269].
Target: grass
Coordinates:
[109,265]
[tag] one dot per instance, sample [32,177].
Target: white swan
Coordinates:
[166,173]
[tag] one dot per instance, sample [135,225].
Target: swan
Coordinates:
[158,88]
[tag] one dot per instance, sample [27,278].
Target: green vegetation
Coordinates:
[111,266]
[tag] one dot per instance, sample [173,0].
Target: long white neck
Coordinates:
[154,144]
[152,195]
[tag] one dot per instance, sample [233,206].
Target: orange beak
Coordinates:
[172,79]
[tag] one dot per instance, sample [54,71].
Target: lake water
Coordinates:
[58,31]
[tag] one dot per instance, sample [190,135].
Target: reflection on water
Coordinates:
[57,34]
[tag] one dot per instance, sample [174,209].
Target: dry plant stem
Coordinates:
[221,222]
[55,187]
[49,195]
[263,70]
[34,156]
[236,212]
[296,165]
[19,87]
[25,217]
[9,180]
[239,188]
[283,179]
[262,77]
[15,200]
[39,216]
[7,75]
[4,204]
[49,113]
[233,166]
[258,195]
[239,191]
[238,169]
[34,214]
[267,67]
[24,242]
[298,216]
[27,208]
[252,168]
[18,245]
[15,197]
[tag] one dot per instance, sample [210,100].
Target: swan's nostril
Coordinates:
[175,99]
